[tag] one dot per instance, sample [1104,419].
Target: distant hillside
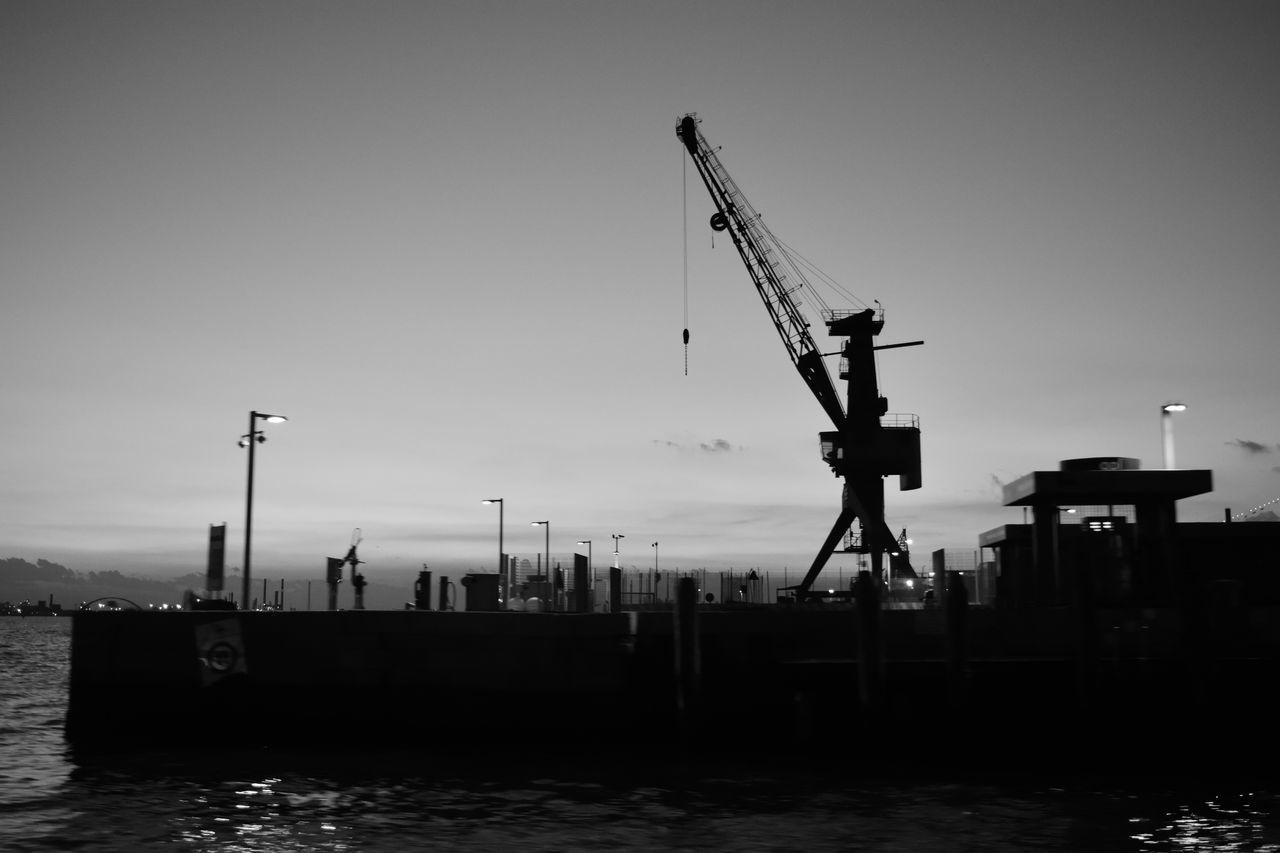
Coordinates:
[21,580]
[42,580]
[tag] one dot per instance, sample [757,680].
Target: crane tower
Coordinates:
[867,443]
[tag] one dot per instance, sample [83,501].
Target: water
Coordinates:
[347,799]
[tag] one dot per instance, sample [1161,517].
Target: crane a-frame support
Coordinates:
[862,449]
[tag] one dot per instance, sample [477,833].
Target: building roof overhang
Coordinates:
[1078,488]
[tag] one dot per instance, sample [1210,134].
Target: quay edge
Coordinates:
[1027,686]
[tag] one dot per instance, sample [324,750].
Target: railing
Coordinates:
[830,315]
[900,421]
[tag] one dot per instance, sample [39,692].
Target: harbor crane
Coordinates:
[867,443]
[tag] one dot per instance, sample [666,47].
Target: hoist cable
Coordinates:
[684,190]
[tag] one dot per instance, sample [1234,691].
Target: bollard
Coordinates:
[688,659]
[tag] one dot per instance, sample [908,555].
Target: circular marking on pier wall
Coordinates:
[223,656]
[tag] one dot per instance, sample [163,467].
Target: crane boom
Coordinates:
[863,448]
[755,246]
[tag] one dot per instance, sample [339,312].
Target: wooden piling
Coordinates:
[615,590]
[870,651]
[688,659]
[957,614]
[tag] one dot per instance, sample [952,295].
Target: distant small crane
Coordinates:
[357,579]
[334,574]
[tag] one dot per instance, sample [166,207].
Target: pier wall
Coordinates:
[795,677]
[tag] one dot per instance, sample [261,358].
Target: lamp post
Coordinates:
[590,568]
[546,525]
[653,582]
[1057,540]
[253,437]
[1166,429]
[616,537]
[502,554]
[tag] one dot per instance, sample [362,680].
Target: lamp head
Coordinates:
[1173,407]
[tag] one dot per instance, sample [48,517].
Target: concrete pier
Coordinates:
[704,677]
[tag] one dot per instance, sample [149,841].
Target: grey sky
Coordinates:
[446,240]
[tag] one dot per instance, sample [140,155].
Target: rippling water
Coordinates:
[341,798]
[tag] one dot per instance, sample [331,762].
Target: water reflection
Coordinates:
[376,802]
[1239,821]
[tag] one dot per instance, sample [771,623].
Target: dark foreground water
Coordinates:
[338,797]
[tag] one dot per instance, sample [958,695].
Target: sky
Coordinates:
[456,244]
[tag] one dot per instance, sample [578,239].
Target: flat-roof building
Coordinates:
[1105,531]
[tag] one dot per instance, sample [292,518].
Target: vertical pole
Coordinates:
[688,663]
[248,515]
[957,613]
[1166,435]
[615,590]
[870,662]
[581,588]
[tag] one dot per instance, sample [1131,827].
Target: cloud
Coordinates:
[715,445]
[1251,447]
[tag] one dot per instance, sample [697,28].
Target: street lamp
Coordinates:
[616,537]
[250,439]
[547,567]
[655,558]
[1166,429]
[502,555]
[590,569]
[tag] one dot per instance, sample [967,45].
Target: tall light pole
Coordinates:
[590,568]
[616,537]
[655,558]
[502,555]
[547,567]
[251,439]
[1166,429]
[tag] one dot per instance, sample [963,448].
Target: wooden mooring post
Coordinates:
[870,651]
[688,659]
[957,615]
